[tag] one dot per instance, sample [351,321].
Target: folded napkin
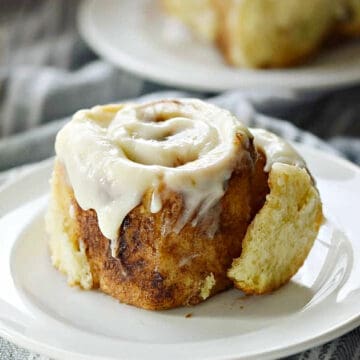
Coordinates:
[47,73]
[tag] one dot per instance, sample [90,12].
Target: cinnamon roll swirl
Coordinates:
[151,202]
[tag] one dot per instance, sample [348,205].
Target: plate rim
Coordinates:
[49,350]
[259,78]
[57,353]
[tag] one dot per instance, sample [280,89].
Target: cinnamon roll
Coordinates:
[167,203]
[268,33]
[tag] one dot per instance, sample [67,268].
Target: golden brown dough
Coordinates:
[156,271]
[281,235]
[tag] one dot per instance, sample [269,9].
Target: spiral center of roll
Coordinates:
[162,135]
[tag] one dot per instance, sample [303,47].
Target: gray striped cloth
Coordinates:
[47,73]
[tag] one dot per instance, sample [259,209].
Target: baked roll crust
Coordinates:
[272,33]
[154,271]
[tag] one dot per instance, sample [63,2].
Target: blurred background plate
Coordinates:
[138,37]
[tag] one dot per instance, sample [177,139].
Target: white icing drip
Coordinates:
[167,226]
[72,211]
[114,248]
[213,219]
[114,154]
[276,150]
[156,203]
[185,260]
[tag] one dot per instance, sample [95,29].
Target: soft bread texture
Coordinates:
[65,242]
[281,235]
[272,33]
[155,270]
[268,33]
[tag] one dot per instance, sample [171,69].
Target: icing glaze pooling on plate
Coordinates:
[114,154]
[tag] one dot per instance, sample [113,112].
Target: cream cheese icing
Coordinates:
[113,155]
[276,149]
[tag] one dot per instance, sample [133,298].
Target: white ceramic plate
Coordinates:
[136,36]
[39,311]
